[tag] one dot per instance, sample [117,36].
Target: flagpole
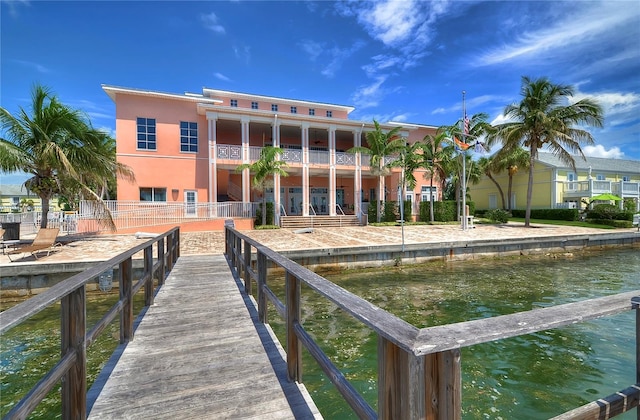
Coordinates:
[464,166]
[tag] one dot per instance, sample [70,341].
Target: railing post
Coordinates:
[443,381]
[418,387]
[635,304]
[294,350]
[126,283]
[72,331]
[262,281]
[148,268]
[247,266]
[177,233]
[237,253]
[161,269]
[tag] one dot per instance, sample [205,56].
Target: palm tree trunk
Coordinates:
[44,198]
[431,199]
[499,190]
[509,192]
[264,207]
[527,214]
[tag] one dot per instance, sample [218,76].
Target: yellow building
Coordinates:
[556,185]
[16,198]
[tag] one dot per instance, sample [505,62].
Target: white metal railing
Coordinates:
[592,187]
[318,157]
[228,151]
[347,159]
[30,221]
[134,214]
[292,155]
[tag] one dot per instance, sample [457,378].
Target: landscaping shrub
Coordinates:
[549,214]
[258,219]
[497,215]
[443,211]
[390,212]
[608,212]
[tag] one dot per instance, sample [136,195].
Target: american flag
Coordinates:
[466,124]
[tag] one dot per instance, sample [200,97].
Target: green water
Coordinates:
[535,376]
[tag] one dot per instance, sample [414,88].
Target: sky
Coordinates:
[408,61]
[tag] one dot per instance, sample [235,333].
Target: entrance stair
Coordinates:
[297,222]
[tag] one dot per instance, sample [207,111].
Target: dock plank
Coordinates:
[199,353]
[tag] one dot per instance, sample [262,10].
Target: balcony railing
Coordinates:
[592,187]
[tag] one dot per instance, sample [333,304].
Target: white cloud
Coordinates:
[599,151]
[242,53]
[334,57]
[619,107]
[369,96]
[594,22]
[35,66]
[222,77]
[312,48]
[108,130]
[211,22]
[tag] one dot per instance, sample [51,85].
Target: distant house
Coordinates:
[12,195]
[556,185]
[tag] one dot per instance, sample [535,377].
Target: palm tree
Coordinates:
[488,167]
[264,170]
[437,155]
[512,160]
[541,119]
[59,147]
[379,145]
[410,160]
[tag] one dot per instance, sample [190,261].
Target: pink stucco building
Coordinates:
[185,148]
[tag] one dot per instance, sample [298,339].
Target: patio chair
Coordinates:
[45,241]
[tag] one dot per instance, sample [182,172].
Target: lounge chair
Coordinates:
[45,241]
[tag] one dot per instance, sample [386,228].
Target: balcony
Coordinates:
[318,157]
[590,188]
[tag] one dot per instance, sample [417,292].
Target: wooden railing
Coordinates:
[71,369]
[419,371]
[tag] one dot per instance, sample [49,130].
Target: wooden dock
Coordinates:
[198,353]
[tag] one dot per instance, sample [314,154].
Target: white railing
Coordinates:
[139,214]
[292,155]
[29,221]
[230,152]
[318,157]
[592,187]
[347,159]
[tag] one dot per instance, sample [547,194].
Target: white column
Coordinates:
[246,174]
[332,170]
[276,178]
[212,166]
[305,170]
[357,175]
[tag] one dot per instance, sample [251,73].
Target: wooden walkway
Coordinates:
[198,353]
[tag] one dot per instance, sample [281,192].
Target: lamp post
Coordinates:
[464,165]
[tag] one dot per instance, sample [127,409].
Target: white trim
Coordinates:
[191,97]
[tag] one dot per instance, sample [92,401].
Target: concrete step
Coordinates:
[296,222]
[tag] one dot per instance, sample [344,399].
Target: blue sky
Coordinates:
[393,60]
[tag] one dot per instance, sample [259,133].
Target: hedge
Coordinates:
[549,214]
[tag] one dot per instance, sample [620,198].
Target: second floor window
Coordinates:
[234,103]
[600,177]
[188,136]
[274,107]
[312,111]
[254,105]
[329,114]
[294,109]
[146,133]
[626,178]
